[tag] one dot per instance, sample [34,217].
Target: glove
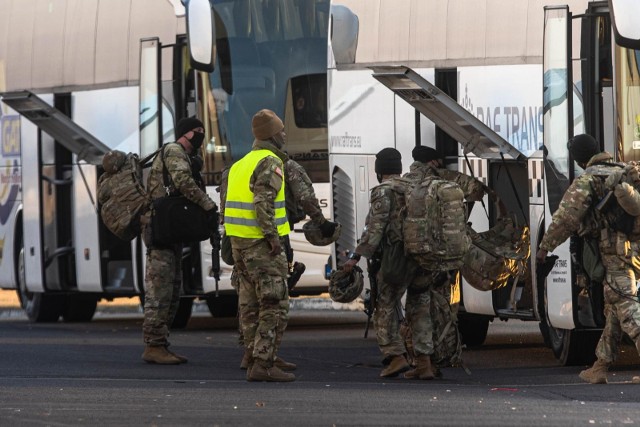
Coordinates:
[276,247]
[327,228]
[213,218]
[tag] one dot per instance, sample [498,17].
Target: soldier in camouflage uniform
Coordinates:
[255,219]
[385,206]
[164,264]
[300,201]
[620,256]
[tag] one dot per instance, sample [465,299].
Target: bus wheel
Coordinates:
[223,305]
[40,307]
[574,347]
[473,328]
[183,314]
[79,308]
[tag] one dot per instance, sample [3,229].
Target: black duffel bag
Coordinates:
[176,219]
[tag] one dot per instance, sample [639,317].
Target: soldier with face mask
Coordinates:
[255,219]
[164,264]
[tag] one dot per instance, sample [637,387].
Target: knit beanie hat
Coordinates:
[185,125]
[583,147]
[424,154]
[388,161]
[265,124]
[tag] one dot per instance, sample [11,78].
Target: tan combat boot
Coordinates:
[423,370]
[159,355]
[597,374]
[181,358]
[273,374]
[246,360]
[635,380]
[284,365]
[397,365]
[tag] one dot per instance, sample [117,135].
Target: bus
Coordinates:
[79,78]
[497,88]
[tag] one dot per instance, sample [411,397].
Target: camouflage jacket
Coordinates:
[575,214]
[180,176]
[385,203]
[265,182]
[300,196]
[473,189]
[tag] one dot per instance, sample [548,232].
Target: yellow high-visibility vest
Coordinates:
[239,210]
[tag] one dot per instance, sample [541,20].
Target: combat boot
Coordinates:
[423,369]
[159,355]
[635,380]
[597,374]
[397,365]
[284,365]
[246,360]
[181,358]
[273,374]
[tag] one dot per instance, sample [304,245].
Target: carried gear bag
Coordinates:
[434,227]
[122,196]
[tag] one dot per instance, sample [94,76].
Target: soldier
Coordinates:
[256,221]
[619,255]
[384,213]
[164,264]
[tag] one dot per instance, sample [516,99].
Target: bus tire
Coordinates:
[80,308]
[574,347]
[223,305]
[473,328]
[38,306]
[183,314]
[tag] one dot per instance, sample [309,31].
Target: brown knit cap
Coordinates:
[266,124]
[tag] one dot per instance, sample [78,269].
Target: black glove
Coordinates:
[327,228]
[213,218]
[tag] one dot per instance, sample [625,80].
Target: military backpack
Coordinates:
[122,196]
[434,226]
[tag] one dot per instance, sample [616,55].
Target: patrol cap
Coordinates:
[583,147]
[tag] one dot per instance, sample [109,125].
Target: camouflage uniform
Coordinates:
[164,265]
[384,209]
[300,198]
[262,278]
[473,189]
[620,257]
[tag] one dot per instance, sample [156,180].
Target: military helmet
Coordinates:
[345,287]
[113,161]
[314,236]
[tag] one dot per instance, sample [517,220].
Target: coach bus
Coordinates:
[497,88]
[81,77]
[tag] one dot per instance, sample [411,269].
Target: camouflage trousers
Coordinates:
[621,312]
[263,299]
[388,315]
[162,295]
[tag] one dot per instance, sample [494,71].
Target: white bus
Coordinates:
[81,77]
[394,79]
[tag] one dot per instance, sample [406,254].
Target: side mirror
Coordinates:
[344,34]
[200,34]
[624,19]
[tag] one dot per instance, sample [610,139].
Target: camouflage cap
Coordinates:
[346,287]
[113,161]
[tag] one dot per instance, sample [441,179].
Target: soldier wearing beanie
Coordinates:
[163,275]
[256,222]
[576,210]
[381,234]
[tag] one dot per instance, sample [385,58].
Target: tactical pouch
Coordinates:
[396,267]
[225,251]
[175,219]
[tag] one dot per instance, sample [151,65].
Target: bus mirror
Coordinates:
[344,34]
[624,14]
[200,33]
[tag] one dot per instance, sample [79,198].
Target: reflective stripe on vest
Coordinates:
[239,210]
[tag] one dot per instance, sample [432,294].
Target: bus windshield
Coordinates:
[270,54]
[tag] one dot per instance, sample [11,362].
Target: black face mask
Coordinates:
[196,140]
[379,176]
